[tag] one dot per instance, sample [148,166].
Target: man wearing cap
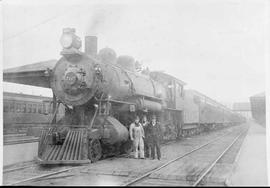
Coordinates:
[136,135]
[155,135]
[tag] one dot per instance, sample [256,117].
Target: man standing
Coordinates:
[145,124]
[156,134]
[136,135]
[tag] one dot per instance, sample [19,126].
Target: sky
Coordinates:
[218,47]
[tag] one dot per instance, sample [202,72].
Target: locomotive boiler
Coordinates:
[99,91]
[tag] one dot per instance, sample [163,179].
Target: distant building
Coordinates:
[258,108]
[243,108]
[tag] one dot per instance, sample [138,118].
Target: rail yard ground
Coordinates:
[205,159]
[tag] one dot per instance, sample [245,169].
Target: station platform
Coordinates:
[19,148]
[251,163]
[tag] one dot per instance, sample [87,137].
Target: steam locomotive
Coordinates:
[101,93]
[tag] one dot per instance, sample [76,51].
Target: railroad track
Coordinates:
[35,172]
[203,175]
[43,172]
[18,168]
[12,140]
[199,178]
[33,168]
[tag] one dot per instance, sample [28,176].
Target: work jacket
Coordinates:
[154,131]
[145,126]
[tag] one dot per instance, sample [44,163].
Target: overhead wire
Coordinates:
[38,25]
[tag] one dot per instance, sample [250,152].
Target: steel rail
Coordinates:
[18,168]
[21,141]
[42,176]
[219,157]
[171,161]
[45,175]
[129,183]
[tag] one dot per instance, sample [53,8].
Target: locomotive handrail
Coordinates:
[151,97]
[99,100]
[94,117]
[172,109]
[55,112]
[116,101]
[130,81]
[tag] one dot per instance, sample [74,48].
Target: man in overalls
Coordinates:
[137,135]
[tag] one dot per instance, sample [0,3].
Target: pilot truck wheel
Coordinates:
[94,150]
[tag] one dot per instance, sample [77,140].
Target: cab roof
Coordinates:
[167,76]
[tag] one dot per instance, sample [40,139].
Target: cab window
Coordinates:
[179,89]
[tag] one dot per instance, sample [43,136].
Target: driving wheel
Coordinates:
[95,150]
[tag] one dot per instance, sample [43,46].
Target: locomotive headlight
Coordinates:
[69,39]
[66,40]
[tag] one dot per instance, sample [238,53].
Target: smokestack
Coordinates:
[91,45]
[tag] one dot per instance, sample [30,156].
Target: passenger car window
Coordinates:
[23,108]
[196,99]
[40,108]
[18,107]
[44,109]
[34,108]
[6,107]
[12,107]
[29,108]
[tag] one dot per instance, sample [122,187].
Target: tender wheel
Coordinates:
[94,150]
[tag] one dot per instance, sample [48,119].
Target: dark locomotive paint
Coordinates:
[102,93]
